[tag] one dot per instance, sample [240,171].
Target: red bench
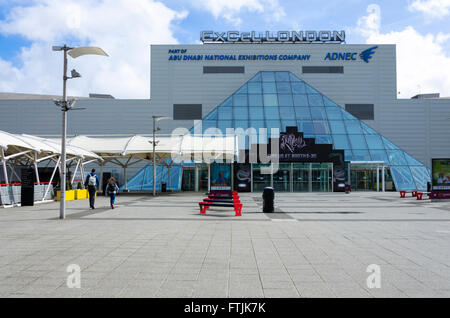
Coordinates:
[222,200]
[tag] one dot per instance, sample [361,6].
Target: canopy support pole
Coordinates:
[76,170]
[5,172]
[51,178]
[82,173]
[383,186]
[36,168]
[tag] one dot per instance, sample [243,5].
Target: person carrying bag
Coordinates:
[112,189]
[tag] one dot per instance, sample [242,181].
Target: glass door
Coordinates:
[281,178]
[260,180]
[301,178]
[188,179]
[203,180]
[321,177]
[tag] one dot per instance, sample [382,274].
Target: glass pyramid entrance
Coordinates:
[280,99]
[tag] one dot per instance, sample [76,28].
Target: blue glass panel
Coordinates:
[302,113]
[242,89]
[357,141]
[212,115]
[310,90]
[412,161]
[241,124]
[298,88]
[270,124]
[337,127]
[257,124]
[271,113]
[374,142]
[318,113]
[225,113]
[208,124]
[315,100]
[361,155]
[282,76]
[240,112]
[285,100]
[379,155]
[301,100]
[256,78]
[324,139]
[294,78]
[388,144]
[270,100]
[306,127]
[321,128]
[348,155]
[420,176]
[240,100]
[287,123]
[224,124]
[333,113]
[329,103]
[256,113]
[228,102]
[269,88]
[340,142]
[353,126]
[396,157]
[284,88]
[287,113]
[268,76]
[255,88]
[255,100]
[347,115]
[367,130]
[402,178]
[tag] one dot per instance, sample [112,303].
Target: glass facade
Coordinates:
[280,99]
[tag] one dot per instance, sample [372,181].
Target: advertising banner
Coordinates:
[441,174]
[242,177]
[220,177]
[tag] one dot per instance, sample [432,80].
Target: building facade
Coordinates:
[387,142]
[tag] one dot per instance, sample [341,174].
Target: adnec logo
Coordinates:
[365,55]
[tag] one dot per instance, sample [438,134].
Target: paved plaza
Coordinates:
[314,245]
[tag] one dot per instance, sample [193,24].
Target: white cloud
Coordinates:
[271,10]
[123,28]
[422,64]
[431,9]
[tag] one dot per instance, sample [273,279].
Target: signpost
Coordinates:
[27,189]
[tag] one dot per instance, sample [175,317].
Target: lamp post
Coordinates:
[66,105]
[154,142]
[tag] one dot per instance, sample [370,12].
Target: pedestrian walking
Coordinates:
[112,189]
[92,183]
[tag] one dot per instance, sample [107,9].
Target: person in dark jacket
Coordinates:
[92,183]
[112,189]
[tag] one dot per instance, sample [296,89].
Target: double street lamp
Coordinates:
[67,105]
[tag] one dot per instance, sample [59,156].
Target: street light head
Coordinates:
[85,50]
[75,74]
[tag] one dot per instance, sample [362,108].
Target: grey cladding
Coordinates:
[187,111]
[361,111]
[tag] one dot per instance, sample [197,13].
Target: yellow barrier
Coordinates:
[81,194]
[70,195]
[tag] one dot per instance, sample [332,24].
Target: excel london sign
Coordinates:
[272,37]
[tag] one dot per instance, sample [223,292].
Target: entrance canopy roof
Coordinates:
[14,144]
[209,147]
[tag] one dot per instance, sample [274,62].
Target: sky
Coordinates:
[126,28]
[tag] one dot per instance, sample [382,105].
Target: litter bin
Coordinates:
[347,189]
[163,187]
[268,198]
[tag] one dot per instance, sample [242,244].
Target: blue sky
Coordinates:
[28,29]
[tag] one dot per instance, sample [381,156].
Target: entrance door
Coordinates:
[281,179]
[203,179]
[260,180]
[188,180]
[301,177]
[321,177]
[363,178]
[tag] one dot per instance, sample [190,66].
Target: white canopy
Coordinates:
[211,147]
